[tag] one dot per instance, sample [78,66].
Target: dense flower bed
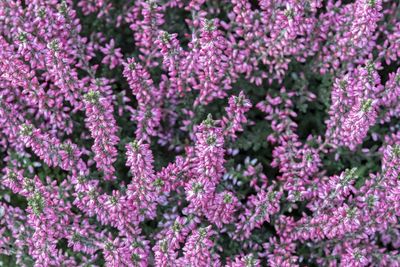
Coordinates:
[199,133]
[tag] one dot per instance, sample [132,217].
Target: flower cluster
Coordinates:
[199,133]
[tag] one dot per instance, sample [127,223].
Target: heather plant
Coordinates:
[200,133]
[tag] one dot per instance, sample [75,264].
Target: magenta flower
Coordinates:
[113,56]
